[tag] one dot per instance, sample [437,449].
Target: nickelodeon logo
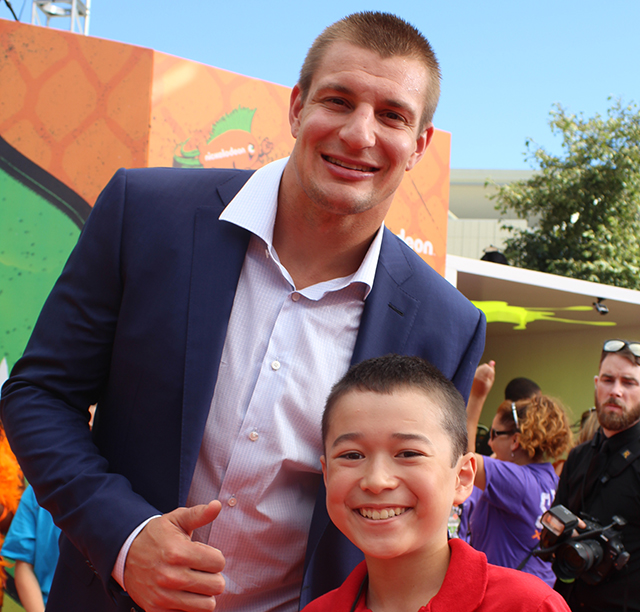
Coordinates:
[231,152]
[423,247]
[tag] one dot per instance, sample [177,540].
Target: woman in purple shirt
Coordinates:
[519,484]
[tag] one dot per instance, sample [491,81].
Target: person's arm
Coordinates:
[64,370]
[70,363]
[28,587]
[482,382]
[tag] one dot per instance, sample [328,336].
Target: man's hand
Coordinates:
[166,570]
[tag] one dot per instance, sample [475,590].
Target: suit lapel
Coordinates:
[218,255]
[390,312]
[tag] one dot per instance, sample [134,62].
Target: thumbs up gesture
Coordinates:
[166,570]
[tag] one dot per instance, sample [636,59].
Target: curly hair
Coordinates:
[543,425]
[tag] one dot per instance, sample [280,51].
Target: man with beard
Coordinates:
[601,478]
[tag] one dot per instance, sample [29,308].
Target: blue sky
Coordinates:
[504,64]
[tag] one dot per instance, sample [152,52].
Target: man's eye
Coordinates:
[393,116]
[409,454]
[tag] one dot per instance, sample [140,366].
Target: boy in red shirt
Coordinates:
[396,460]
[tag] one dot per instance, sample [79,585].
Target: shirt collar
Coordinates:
[254,208]
[622,438]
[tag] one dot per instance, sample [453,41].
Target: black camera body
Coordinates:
[590,553]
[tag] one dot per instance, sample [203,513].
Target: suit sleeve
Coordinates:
[64,370]
[463,378]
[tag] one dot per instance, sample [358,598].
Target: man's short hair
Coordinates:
[388,36]
[521,388]
[391,373]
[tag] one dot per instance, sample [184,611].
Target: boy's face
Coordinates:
[387,468]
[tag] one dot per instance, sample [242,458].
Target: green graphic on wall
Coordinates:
[40,221]
[228,143]
[521,316]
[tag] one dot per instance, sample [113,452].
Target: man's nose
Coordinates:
[616,389]
[358,132]
[378,477]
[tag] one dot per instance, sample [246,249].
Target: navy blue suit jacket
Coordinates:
[136,323]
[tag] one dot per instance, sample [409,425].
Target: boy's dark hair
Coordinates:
[521,388]
[392,372]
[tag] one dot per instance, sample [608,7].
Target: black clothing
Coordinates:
[602,479]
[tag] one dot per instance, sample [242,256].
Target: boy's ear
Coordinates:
[467,466]
[323,462]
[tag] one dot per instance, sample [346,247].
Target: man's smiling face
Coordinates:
[389,474]
[617,393]
[358,129]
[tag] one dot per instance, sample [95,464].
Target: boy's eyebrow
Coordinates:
[348,437]
[410,436]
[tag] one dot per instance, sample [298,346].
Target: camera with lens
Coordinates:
[590,553]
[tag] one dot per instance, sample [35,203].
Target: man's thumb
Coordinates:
[189,519]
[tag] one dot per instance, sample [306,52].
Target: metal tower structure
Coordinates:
[75,10]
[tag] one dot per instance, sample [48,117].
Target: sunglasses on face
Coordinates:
[613,346]
[494,433]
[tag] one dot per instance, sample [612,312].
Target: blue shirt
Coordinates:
[505,524]
[33,538]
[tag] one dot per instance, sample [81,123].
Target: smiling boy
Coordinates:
[395,462]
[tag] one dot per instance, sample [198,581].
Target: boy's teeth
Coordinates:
[378,515]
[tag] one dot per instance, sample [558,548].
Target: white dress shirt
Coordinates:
[260,451]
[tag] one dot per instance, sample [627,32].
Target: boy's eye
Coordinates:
[351,455]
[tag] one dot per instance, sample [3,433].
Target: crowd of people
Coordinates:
[209,315]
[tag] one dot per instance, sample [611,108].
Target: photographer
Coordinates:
[601,479]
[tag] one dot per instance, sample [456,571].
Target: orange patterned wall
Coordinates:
[81,108]
[75,105]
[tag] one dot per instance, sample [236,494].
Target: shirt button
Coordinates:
[295,296]
[232,501]
[253,436]
[275,365]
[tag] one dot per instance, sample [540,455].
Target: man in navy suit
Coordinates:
[208,313]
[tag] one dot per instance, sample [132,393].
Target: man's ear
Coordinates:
[595,381]
[467,466]
[295,109]
[422,142]
[323,462]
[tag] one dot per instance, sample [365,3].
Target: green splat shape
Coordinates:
[520,316]
[35,241]
[239,118]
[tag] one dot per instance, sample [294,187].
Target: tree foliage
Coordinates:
[583,206]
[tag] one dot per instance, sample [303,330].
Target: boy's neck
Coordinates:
[406,583]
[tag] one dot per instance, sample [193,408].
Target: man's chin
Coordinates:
[615,420]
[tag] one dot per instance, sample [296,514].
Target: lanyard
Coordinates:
[365,581]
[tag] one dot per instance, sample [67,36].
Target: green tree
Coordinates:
[583,205]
